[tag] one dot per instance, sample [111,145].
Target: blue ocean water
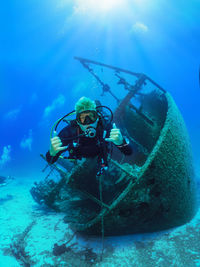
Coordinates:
[40,38]
[41,81]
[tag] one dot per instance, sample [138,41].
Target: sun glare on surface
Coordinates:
[97,5]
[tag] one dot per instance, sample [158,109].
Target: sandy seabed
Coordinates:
[28,234]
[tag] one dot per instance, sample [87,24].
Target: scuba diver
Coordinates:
[89,135]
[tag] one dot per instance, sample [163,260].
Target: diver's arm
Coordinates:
[122,143]
[125,147]
[58,145]
[52,159]
[55,151]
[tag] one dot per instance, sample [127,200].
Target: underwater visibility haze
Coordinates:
[42,77]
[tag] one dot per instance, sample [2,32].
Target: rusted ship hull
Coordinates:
[151,190]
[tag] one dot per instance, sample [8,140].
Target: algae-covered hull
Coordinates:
[151,190]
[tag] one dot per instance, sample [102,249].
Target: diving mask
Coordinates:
[87,117]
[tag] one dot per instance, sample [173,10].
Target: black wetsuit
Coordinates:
[86,147]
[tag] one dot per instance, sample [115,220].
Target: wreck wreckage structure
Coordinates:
[151,190]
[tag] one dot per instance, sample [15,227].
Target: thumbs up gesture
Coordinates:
[115,136]
[56,145]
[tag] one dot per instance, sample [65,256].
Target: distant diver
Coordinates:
[88,136]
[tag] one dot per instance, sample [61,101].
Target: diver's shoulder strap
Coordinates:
[73,123]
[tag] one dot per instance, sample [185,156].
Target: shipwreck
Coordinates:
[151,190]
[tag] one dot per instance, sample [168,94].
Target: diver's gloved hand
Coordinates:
[115,136]
[56,145]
